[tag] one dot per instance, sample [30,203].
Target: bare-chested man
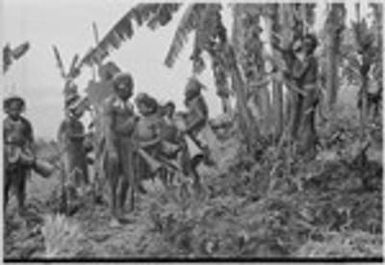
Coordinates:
[196,120]
[71,136]
[304,73]
[119,124]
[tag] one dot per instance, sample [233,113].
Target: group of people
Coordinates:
[154,141]
[138,146]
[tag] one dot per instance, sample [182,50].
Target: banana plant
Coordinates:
[335,25]
[154,15]
[69,76]
[13,54]
[361,57]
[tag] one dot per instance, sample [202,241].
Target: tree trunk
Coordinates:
[363,88]
[332,67]
[273,26]
[278,109]
[247,126]
[250,69]
[286,23]
[334,27]
[301,127]
[364,107]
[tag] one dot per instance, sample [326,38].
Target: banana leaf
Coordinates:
[154,14]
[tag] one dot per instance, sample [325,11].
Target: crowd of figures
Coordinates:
[133,138]
[156,141]
[130,146]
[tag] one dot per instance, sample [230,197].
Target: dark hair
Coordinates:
[108,70]
[123,78]
[313,39]
[169,104]
[193,88]
[8,101]
[147,100]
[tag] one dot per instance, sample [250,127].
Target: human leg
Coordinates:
[127,177]
[21,180]
[112,178]
[7,187]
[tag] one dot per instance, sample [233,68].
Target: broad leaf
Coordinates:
[155,14]
[20,50]
[188,23]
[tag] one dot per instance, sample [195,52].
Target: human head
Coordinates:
[108,71]
[193,88]
[309,43]
[123,85]
[146,104]
[14,106]
[169,109]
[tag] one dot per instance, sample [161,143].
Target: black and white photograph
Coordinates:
[192,131]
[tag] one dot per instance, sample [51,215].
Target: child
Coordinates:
[173,144]
[170,134]
[148,134]
[18,156]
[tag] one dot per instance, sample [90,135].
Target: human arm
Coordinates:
[196,116]
[308,67]
[28,133]
[61,134]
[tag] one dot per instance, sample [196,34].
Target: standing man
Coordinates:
[119,125]
[71,136]
[197,116]
[196,120]
[304,74]
[18,156]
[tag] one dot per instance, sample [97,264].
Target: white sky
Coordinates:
[67,24]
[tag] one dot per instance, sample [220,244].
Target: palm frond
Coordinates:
[7,58]
[74,68]
[10,55]
[162,16]
[20,50]
[59,61]
[189,22]
[209,25]
[155,14]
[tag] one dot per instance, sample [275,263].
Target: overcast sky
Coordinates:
[68,24]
